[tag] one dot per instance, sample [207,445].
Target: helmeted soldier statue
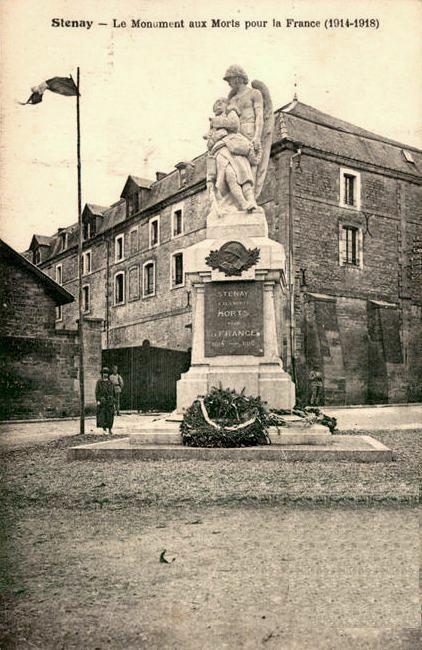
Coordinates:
[249,113]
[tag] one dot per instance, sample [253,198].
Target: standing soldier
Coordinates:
[315,378]
[118,384]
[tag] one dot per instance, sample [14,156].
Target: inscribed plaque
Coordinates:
[234,318]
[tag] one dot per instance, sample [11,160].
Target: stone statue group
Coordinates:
[239,143]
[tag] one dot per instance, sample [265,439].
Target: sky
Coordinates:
[146,94]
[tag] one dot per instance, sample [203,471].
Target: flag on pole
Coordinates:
[61,85]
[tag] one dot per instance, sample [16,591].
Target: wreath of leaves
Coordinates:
[226,408]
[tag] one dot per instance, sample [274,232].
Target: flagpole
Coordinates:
[80,241]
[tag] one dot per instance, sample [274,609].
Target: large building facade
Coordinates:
[344,202]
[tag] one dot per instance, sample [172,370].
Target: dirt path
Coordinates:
[241,578]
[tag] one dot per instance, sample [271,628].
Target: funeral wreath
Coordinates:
[226,418]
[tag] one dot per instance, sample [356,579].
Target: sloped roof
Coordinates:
[295,122]
[41,240]
[113,216]
[311,127]
[141,183]
[306,112]
[60,295]
[96,210]
[72,239]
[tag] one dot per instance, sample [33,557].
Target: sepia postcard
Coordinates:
[210,324]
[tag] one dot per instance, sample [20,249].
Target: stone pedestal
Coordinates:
[236,317]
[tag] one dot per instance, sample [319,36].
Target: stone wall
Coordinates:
[372,348]
[39,377]
[39,362]
[25,307]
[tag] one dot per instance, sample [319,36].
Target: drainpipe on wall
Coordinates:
[291,264]
[108,295]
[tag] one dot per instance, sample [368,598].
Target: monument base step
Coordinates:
[167,432]
[361,449]
[300,435]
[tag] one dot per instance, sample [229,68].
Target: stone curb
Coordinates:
[360,449]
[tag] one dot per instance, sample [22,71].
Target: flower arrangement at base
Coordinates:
[310,414]
[225,418]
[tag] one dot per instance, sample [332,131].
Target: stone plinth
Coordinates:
[360,449]
[235,323]
[313,435]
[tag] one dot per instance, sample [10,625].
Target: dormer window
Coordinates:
[132,204]
[182,176]
[37,256]
[89,229]
[134,193]
[92,218]
[185,170]
[63,239]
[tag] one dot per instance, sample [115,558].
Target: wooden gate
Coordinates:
[149,374]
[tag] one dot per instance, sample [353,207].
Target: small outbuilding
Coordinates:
[39,376]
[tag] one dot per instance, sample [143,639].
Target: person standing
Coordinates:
[118,384]
[104,395]
[315,379]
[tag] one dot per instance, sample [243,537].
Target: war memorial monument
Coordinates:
[237,278]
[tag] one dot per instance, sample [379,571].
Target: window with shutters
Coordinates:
[350,245]
[349,188]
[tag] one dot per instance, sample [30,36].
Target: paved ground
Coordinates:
[352,418]
[14,435]
[377,418]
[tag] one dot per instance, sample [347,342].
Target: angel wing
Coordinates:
[267,135]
